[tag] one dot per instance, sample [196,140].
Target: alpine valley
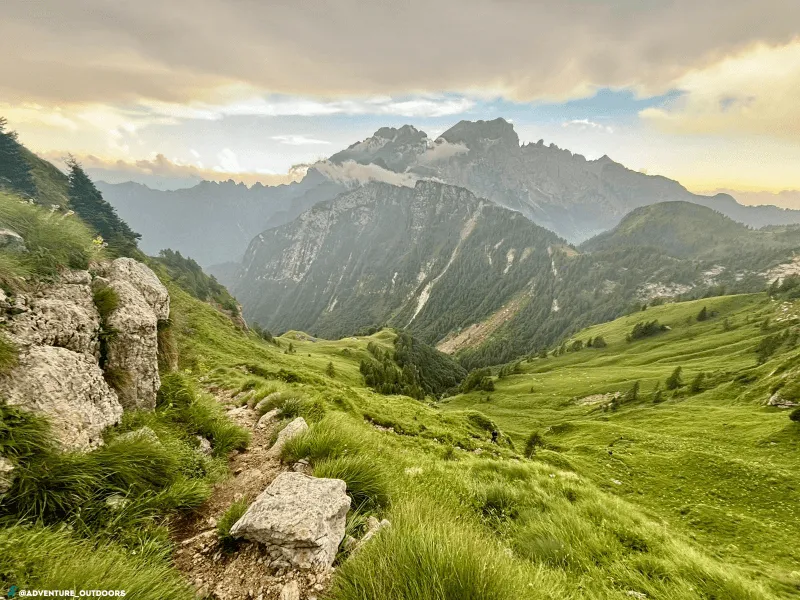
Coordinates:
[443,369]
[469,241]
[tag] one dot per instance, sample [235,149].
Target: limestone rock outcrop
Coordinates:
[132,352]
[300,520]
[68,387]
[62,314]
[57,330]
[6,475]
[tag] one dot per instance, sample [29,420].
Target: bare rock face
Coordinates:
[294,428]
[133,350]
[69,388]
[11,241]
[60,315]
[6,475]
[147,283]
[300,519]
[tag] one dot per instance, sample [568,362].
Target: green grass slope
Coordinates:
[714,462]
[470,518]
[52,186]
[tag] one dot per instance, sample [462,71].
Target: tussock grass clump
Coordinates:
[9,355]
[23,434]
[53,241]
[330,438]
[167,346]
[292,404]
[37,557]
[425,555]
[367,480]
[233,514]
[206,417]
[200,414]
[106,300]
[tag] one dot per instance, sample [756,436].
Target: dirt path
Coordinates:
[243,574]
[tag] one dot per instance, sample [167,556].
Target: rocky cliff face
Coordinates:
[432,258]
[58,331]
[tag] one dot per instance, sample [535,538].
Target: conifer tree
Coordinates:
[88,202]
[15,172]
[674,381]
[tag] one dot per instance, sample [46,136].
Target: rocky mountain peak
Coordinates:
[404,134]
[479,134]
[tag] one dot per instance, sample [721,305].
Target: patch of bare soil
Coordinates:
[476,334]
[244,574]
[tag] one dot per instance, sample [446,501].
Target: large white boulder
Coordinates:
[62,314]
[300,520]
[132,352]
[67,387]
[147,283]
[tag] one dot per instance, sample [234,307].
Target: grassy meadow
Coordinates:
[715,463]
[476,519]
[690,497]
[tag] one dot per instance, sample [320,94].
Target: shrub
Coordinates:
[330,371]
[795,415]
[367,481]
[703,314]
[480,380]
[632,395]
[674,381]
[534,441]
[697,383]
[232,514]
[767,347]
[599,342]
[645,329]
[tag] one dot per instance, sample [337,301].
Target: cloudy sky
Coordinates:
[165,92]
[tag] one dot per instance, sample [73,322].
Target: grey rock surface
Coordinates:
[11,241]
[294,428]
[147,283]
[300,520]
[68,387]
[6,475]
[62,314]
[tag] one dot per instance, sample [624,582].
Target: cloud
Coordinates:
[299,140]
[187,50]
[442,150]
[754,92]
[351,172]
[160,168]
[587,124]
[784,198]
[228,162]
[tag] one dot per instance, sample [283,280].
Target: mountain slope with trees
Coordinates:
[687,230]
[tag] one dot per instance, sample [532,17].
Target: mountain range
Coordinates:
[483,281]
[574,197]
